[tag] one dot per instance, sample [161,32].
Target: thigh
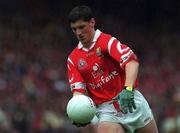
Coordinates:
[109,127]
[151,127]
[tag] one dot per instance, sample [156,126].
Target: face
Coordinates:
[84,30]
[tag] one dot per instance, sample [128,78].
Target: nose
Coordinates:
[78,32]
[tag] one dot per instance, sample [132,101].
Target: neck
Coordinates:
[89,43]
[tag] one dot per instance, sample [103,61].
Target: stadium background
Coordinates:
[35,40]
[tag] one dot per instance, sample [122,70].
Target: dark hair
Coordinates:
[80,12]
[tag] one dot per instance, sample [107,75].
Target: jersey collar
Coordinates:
[96,36]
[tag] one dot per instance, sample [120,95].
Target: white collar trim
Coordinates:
[96,36]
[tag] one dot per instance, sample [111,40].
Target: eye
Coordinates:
[81,27]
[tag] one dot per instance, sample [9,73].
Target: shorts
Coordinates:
[140,117]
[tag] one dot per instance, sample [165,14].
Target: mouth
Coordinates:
[81,38]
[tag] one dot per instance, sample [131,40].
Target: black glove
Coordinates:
[80,125]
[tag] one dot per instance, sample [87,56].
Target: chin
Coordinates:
[83,41]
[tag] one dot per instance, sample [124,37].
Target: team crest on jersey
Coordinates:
[98,51]
[82,63]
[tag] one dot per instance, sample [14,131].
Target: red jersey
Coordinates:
[99,70]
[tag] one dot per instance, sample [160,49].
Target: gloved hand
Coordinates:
[80,125]
[126,100]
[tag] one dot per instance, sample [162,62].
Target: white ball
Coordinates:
[81,109]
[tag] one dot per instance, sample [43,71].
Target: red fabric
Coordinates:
[116,106]
[78,90]
[99,70]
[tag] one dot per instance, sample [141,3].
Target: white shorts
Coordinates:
[140,117]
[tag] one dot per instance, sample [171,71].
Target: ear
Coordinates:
[92,22]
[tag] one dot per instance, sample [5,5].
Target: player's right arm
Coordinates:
[76,82]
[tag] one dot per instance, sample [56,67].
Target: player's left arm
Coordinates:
[129,63]
[131,70]
[126,96]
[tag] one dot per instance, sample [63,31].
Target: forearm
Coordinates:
[126,96]
[131,70]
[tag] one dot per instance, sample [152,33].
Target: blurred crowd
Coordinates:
[33,81]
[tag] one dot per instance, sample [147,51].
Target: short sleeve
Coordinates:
[75,79]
